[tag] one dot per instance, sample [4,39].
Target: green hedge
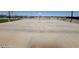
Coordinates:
[5,20]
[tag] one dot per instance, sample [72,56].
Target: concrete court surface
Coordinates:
[35,33]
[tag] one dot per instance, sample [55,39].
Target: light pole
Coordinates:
[9,16]
[39,13]
[12,15]
[28,16]
[71,16]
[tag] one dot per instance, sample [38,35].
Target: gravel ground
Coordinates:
[39,33]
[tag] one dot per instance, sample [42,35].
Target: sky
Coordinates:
[41,13]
